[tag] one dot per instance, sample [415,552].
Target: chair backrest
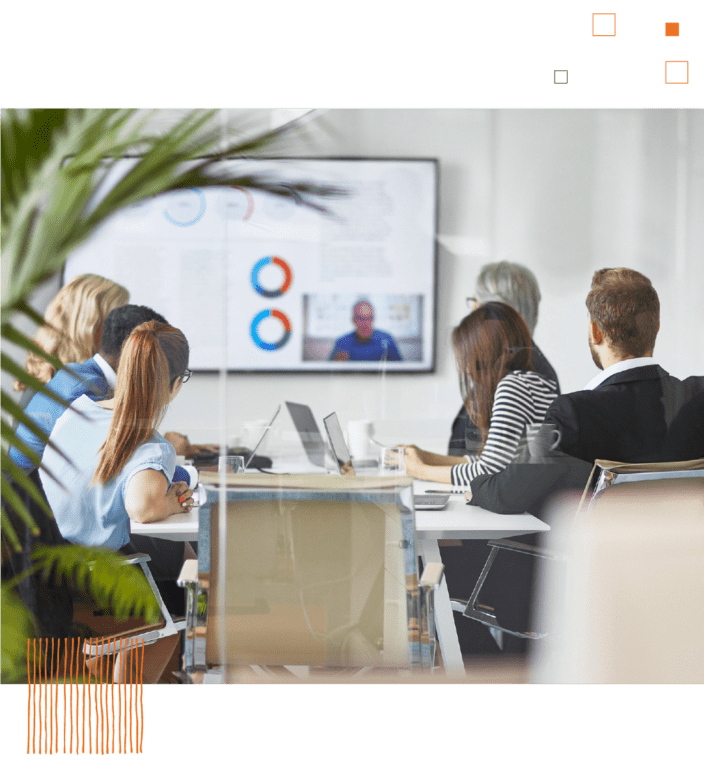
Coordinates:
[633,611]
[313,570]
[611,473]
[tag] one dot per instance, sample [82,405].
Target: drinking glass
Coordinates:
[233,464]
[392,461]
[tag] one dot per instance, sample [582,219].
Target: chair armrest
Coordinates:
[137,558]
[189,573]
[431,577]
[526,549]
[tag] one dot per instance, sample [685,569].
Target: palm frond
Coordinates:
[17,626]
[114,586]
[53,195]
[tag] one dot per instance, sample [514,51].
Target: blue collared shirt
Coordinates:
[72,381]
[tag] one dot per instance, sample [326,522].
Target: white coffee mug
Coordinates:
[359,434]
[542,439]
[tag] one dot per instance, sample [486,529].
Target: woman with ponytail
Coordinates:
[110,465]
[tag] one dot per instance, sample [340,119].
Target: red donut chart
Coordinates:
[286,274]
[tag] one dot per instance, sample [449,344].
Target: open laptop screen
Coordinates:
[338,444]
[308,431]
[264,434]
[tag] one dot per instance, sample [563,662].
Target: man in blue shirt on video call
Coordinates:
[365,343]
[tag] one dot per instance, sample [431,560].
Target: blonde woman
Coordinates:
[73,325]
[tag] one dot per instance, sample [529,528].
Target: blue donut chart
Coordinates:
[196,218]
[285,284]
[285,324]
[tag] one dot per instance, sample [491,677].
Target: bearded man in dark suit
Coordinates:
[632,411]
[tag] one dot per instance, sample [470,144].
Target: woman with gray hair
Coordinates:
[515,285]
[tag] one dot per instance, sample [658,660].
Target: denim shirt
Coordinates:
[72,381]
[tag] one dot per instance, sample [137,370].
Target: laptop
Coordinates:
[264,434]
[312,439]
[308,431]
[206,460]
[345,464]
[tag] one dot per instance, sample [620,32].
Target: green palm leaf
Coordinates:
[16,628]
[51,200]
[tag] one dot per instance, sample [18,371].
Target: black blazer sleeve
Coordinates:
[563,415]
[527,487]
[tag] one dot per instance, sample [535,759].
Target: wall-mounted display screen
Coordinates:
[259,283]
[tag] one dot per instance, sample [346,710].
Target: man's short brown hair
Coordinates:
[626,308]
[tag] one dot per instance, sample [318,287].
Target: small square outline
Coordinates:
[559,82]
[677,82]
[603,14]
[672,29]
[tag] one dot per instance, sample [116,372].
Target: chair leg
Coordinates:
[498,636]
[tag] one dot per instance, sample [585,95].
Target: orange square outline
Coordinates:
[603,14]
[677,62]
[670,27]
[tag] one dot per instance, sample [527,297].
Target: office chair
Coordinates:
[632,609]
[310,571]
[610,474]
[52,604]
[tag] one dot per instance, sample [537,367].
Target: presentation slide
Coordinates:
[260,283]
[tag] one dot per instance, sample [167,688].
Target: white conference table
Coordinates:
[458,520]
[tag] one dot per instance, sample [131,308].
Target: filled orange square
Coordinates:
[672,29]
[604,14]
[676,61]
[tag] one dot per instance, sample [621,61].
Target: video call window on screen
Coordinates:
[300,291]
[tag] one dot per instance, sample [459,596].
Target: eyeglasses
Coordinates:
[186,376]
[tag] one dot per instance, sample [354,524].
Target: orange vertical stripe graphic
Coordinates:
[44,672]
[70,696]
[111,682]
[131,687]
[65,699]
[52,700]
[40,719]
[29,694]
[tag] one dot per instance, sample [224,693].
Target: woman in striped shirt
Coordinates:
[502,393]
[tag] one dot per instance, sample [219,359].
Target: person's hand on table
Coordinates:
[339,356]
[424,465]
[415,465]
[467,496]
[180,497]
[189,450]
[203,448]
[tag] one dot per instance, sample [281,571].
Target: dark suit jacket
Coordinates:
[641,415]
[465,436]
[628,417]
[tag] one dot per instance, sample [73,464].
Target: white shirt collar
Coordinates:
[624,365]
[106,368]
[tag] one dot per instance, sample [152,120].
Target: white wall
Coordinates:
[564,192]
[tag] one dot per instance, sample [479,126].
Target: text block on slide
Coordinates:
[677,72]
[604,24]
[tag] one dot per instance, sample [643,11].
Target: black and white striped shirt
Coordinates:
[521,399]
